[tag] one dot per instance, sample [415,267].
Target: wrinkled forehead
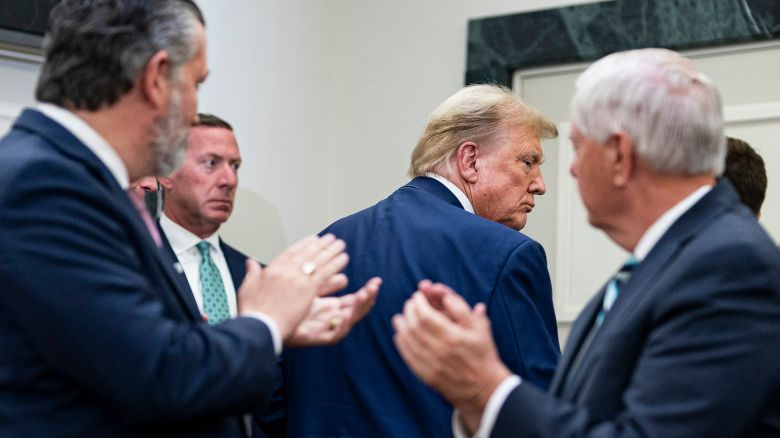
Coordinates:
[518,138]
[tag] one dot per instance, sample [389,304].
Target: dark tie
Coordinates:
[215,304]
[140,207]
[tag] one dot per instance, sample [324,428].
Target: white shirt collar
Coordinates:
[87,135]
[464,201]
[182,239]
[663,223]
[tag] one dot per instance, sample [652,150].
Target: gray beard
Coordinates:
[170,139]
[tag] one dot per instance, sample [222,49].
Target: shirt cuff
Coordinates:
[272,327]
[490,414]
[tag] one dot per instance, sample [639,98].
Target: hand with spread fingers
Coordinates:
[286,288]
[450,347]
[331,318]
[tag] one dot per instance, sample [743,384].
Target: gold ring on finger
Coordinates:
[308,267]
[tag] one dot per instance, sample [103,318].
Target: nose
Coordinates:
[228,177]
[537,185]
[573,168]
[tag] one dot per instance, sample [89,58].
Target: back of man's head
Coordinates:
[96,49]
[474,113]
[746,171]
[671,110]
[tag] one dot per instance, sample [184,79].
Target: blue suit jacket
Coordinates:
[269,420]
[690,347]
[361,387]
[96,334]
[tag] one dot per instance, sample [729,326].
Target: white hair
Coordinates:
[671,110]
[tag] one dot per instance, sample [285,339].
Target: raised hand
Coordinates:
[331,318]
[286,288]
[450,347]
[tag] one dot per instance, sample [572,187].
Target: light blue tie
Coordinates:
[215,303]
[610,295]
[613,287]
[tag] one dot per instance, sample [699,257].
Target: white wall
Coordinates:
[269,76]
[395,61]
[328,99]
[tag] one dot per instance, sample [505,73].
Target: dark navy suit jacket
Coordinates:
[361,387]
[270,421]
[690,347]
[97,336]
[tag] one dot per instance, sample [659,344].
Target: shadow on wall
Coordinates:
[255,227]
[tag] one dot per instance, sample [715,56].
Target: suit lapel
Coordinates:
[640,286]
[181,290]
[171,262]
[635,289]
[236,263]
[579,333]
[69,146]
[662,256]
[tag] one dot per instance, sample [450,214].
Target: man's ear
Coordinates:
[165,182]
[155,81]
[623,157]
[466,160]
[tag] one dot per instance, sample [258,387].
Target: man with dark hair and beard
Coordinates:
[97,336]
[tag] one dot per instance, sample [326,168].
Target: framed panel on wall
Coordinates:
[22,27]
[23,24]
[540,54]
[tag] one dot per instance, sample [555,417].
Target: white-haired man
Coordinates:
[682,341]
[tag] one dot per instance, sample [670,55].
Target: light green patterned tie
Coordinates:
[214,299]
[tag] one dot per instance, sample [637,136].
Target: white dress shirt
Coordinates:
[184,244]
[464,200]
[649,239]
